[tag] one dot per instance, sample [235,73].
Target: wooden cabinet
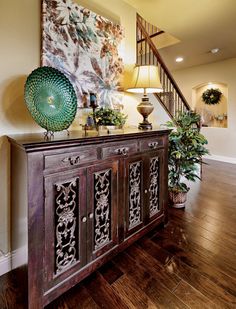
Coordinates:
[88,198]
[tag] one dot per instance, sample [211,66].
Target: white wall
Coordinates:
[222,141]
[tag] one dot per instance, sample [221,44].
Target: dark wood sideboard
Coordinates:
[87,197]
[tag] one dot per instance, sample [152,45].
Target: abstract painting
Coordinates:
[86,48]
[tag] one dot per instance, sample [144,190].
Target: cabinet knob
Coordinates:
[90,215]
[145,191]
[84,219]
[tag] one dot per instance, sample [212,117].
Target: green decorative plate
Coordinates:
[50,98]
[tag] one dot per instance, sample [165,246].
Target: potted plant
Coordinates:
[186,148]
[109,117]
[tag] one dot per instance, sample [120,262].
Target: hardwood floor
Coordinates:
[189,264]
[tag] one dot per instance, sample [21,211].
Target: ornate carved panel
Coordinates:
[135,194]
[66,242]
[102,208]
[154,186]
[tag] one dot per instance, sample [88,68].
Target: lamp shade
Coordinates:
[145,79]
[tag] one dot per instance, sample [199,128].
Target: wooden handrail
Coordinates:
[160,61]
[152,36]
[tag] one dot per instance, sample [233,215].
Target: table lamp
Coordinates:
[145,80]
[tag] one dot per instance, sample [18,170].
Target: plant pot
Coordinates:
[110,129]
[102,129]
[177,199]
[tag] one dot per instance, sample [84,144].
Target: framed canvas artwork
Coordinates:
[86,48]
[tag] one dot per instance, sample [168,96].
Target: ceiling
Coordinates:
[198,26]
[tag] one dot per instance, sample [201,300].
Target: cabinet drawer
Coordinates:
[119,149]
[151,143]
[71,158]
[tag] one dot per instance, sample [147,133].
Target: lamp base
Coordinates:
[145,126]
[145,108]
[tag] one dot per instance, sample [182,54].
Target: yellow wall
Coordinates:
[222,141]
[20,45]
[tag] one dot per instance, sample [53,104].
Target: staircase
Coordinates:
[171,98]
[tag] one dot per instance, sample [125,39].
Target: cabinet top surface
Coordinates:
[38,140]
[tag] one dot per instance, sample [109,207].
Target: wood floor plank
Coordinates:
[59,303]
[192,297]
[222,223]
[214,248]
[134,297]
[174,240]
[200,282]
[13,286]
[213,235]
[77,297]
[202,265]
[207,287]
[208,223]
[153,266]
[148,283]
[212,207]
[110,272]
[214,204]
[102,293]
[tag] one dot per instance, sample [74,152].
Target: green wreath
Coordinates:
[211,96]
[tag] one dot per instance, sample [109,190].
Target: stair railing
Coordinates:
[172,99]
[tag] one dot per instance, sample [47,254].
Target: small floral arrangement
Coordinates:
[108,116]
[212,96]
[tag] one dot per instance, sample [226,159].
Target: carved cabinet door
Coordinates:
[153,184]
[65,229]
[143,190]
[102,199]
[133,192]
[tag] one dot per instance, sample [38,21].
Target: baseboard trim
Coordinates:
[13,260]
[5,264]
[220,158]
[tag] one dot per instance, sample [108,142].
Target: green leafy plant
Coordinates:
[186,148]
[212,96]
[108,116]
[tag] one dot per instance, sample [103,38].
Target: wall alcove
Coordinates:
[213,115]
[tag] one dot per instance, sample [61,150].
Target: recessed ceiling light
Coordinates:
[179,59]
[214,50]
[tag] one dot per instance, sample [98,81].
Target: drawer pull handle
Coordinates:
[122,151]
[153,145]
[72,160]
[84,219]
[91,215]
